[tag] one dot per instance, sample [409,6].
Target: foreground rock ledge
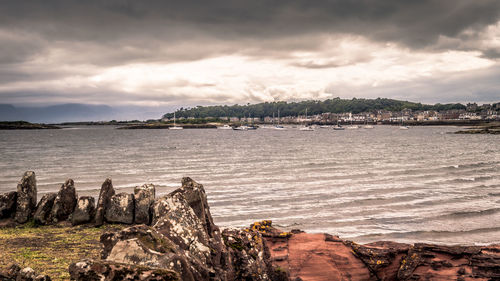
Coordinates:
[182,242]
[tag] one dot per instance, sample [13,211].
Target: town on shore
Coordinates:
[470,112]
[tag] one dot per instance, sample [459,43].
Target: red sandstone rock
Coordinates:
[305,257]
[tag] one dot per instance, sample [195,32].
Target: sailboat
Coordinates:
[352,127]
[368,126]
[403,127]
[175,127]
[306,128]
[338,127]
[279,127]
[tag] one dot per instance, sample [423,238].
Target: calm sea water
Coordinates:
[411,185]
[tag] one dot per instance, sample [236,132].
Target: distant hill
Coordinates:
[55,113]
[76,112]
[336,105]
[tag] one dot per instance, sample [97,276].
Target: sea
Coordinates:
[424,184]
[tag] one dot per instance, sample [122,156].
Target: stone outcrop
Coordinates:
[84,210]
[26,197]
[8,204]
[104,200]
[249,256]
[306,256]
[15,273]
[108,271]
[184,239]
[144,197]
[43,213]
[120,209]
[182,242]
[65,201]
[184,217]
[143,246]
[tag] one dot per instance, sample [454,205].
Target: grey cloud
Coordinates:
[479,86]
[108,33]
[150,25]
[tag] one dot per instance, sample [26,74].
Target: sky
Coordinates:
[185,53]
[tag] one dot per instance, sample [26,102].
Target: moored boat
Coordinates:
[225,127]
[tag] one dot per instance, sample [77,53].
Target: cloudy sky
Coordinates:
[176,53]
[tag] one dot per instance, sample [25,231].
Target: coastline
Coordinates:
[174,238]
[23,125]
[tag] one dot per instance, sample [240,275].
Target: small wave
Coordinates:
[464,214]
[422,233]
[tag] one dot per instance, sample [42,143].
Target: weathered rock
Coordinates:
[181,225]
[84,210]
[144,197]
[87,270]
[65,202]
[43,213]
[249,256]
[183,239]
[437,262]
[11,272]
[143,246]
[179,239]
[15,273]
[325,257]
[120,209]
[7,204]
[184,217]
[104,200]
[486,263]
[305,256]
[26,197]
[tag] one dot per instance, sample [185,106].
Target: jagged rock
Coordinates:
[84,210]
[7,204]
[120,209]
[11,272]
[65,201]
[26,197]
[250,258]
[184,217]
[486,263]
[15,273]
[144,197]
[181,225]
[106,271]
[104,200]
[437,262]
[142,245]
[43,211]
[179,239]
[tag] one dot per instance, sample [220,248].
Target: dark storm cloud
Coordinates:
[137,29]
[155,52]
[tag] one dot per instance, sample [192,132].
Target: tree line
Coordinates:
[336,105]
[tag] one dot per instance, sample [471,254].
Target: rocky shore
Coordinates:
[23,125]
[489,128]
[174,238]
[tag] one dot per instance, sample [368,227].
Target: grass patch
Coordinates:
[50,249]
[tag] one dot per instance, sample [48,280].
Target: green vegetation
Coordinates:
[50,249]
[336,105]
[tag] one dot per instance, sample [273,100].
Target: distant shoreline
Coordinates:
[23,125]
